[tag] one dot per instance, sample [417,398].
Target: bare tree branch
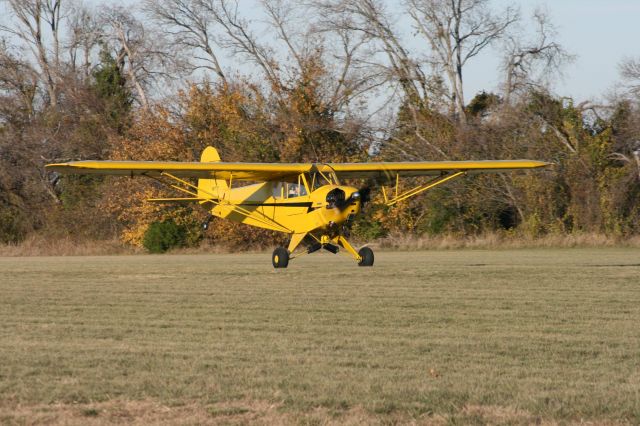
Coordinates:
[190,24]
[458,30]
[32,17]
[141,52]
[532,63]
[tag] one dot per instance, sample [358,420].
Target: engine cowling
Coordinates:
[335,198]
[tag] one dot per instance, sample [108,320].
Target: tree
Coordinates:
[457,31]
[385,61]
[32,19]
[532,63]
[110,86]
[190,24]
[626,116]
[18,87]
[630,72]
[369,22]
[153,136]
[83,40]
[141,53]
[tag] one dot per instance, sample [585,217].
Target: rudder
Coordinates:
[211,188]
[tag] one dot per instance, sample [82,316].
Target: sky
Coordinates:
[600,33]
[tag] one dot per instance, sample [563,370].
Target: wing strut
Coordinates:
[418,189]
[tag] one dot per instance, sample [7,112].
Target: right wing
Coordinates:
[218,170]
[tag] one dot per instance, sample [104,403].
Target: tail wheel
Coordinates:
[280,258]
[366,257]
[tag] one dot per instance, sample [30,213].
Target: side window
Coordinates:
[288,190]
[279,190]
[295,190]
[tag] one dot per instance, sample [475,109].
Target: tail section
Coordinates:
[208,188]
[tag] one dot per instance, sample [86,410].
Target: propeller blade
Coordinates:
[365,195]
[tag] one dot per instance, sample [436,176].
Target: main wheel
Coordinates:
[366,255]
[280,258]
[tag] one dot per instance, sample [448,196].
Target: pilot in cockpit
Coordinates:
[294,190]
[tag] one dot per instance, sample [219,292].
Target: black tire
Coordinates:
[280,258]
[367,257]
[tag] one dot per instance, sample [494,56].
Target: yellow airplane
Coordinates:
[305,200]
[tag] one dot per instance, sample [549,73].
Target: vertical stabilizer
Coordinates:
[208,188]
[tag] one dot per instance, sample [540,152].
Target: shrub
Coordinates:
[162,236]
[369,226]
[13,225]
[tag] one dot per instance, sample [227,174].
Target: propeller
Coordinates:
[365,195]
[336,198]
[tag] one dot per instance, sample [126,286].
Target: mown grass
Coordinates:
[522,336]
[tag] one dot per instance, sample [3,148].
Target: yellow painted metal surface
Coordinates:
[255,205]
[211,187]
[288,171]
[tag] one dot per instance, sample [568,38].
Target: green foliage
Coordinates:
[367,226]
[591,188]
[162,236]
[77,190]
[110,86]
[482,103]
[438,218]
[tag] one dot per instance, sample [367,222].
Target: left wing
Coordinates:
[388,171]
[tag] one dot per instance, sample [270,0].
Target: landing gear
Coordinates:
[366,257]
[280,258]
[331,243]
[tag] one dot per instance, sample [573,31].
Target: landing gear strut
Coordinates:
[364,256]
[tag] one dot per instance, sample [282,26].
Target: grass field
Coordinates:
[500,337]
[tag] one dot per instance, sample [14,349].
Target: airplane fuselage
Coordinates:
[289,208]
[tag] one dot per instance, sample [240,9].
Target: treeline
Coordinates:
[319,81]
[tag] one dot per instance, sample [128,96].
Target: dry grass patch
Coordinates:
[142,413]
[497,241]
[40,246]
[37,245]
[257,413]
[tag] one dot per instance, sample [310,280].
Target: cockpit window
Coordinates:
[295,190]
[289,190]
[321,179]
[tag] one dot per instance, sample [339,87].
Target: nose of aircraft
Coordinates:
[337,198]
